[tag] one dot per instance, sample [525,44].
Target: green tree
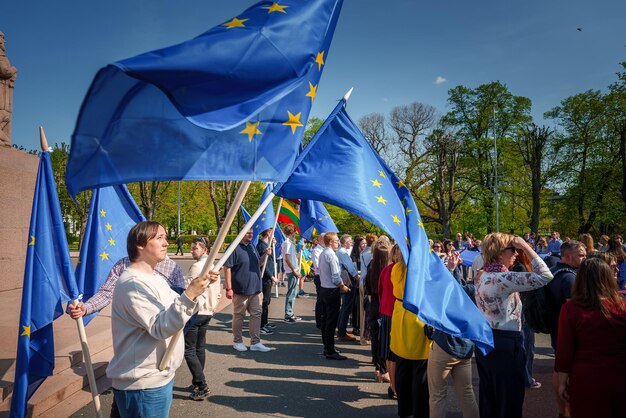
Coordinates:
[481,115]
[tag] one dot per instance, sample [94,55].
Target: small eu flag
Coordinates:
[48,283]
[112,213]
[315,217]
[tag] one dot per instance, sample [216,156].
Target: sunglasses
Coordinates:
[510,249]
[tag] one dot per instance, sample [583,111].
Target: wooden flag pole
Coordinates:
[215,249]
[80,324]
[275,270]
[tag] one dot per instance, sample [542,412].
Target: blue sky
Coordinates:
[392,52]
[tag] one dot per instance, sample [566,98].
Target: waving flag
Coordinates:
[231,103]
[315,217]
[289,214]
[371,190]
[48,283]
[112,213]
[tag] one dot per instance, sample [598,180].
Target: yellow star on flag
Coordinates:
[407,211]
[395,219]
[32,240]
[381,199]
[376,183]
[275,7]
[264,212]
[420,224]
[103,213]
[251,130]
[26,331]
[312,91]
[293,122]
[104,256]
[319,59]
[111,241]
[262,219]
[320,219]
[235,23]
[108,226]
[256,226]
[380,173]
[400,184]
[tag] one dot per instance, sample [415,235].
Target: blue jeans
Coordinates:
[145,403]
[290,298]
[347,300]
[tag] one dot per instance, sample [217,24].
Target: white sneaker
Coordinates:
[240,347]
[260,347]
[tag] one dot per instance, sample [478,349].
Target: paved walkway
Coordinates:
[295,380]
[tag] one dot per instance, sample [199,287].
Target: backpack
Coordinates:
[540,310]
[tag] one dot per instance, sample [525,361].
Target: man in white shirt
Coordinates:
[290,263]
[315,257]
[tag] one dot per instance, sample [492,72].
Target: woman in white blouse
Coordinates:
[501,372]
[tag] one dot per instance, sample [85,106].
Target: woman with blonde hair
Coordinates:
[410,347]
[502,371]
[590,360]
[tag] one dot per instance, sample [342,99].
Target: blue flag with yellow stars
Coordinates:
[340,167]
[265,221]
[315,217]
[230,104]
[112,213]
[48,283]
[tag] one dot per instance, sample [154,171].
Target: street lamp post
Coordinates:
[495,168]
[178,230]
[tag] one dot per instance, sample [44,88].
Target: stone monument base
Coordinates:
[18,174]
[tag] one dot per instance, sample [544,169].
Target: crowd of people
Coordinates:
[360,281]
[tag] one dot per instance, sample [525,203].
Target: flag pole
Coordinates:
[275,271]
[82,335]
[219,241]
[280,202]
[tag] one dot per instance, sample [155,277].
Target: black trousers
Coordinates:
[318,301]
[195,340]
[501,376]
[331,302]
[267,298]
[412,387]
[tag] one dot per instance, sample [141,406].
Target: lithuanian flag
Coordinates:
[289,214]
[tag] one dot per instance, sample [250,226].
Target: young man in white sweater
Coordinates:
[146,313]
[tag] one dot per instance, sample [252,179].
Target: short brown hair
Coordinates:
[494,244]
[330,236]
[289,230]
[203,241]
[139,235]
[370,238]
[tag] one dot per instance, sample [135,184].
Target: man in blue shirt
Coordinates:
[242,277]
[331,288]
[349,276]
[554,245]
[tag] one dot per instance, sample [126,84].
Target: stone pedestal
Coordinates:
[18,174]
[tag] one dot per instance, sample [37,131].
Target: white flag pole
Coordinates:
[219,241]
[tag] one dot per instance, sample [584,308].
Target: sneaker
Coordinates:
[534,385]
[199,394]
[270,326]
[259,347]
[302,295]
[297,318]
[240,347]
[301,292]
[290,320]
[265,331]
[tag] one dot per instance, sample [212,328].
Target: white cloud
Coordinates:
[440,80]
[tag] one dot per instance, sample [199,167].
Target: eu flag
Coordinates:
[340,167]
[48,283]
[314,216]
[231,103]
[264,222]
[112,213]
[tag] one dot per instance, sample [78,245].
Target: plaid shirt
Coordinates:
[167,268]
